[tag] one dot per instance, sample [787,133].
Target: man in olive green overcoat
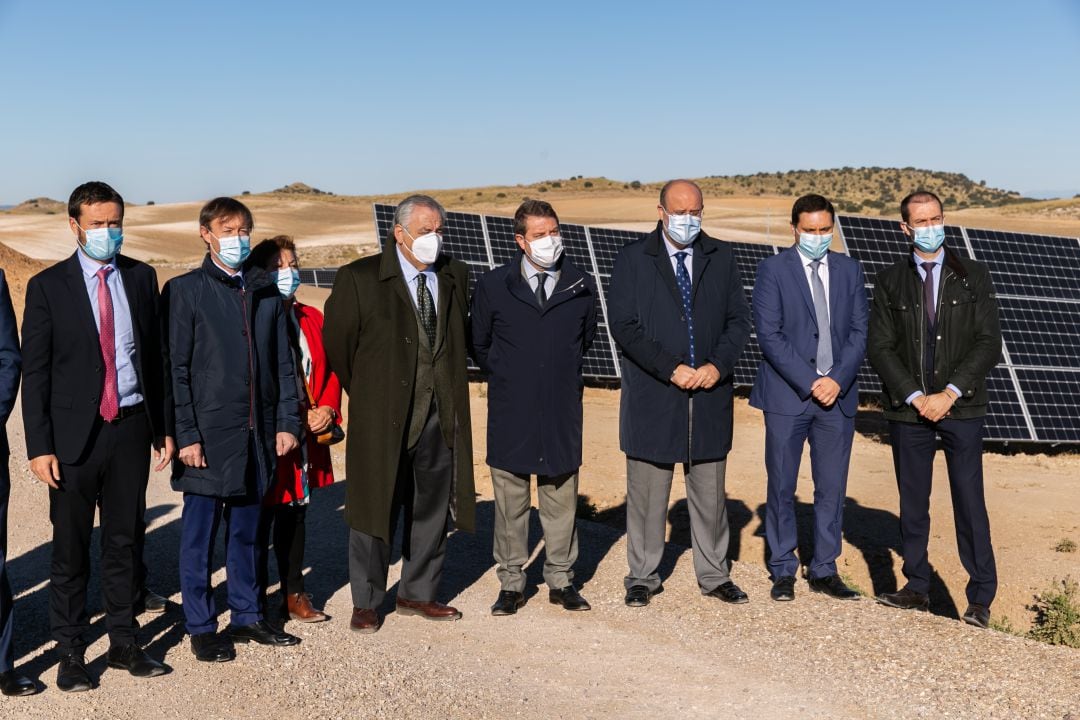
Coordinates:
[395,334]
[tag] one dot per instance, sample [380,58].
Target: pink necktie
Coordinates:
[110,396]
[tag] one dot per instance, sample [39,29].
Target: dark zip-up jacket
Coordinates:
[968,341]
[232,377]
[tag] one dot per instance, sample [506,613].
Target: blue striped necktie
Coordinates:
[682,277]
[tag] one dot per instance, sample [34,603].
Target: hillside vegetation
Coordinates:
[870,191]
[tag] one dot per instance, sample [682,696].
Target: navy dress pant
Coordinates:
[914,446]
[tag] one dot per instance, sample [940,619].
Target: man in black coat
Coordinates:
[11,682]
[237,411]
[680,318]
[532,322]
[94,401]
[934,336]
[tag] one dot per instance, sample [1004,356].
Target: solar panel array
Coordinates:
[484,242]
[1034,391]
[1035,388]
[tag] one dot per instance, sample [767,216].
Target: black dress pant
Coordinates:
[422,490]
[288,525]
[914,446]
[115,468]
[7,618]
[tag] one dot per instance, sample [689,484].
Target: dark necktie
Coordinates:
[426,308]
[682,277]
[821,311]
[928,293]
[110,395]
[541,289]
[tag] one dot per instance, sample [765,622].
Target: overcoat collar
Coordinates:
[571,283]
[704,247]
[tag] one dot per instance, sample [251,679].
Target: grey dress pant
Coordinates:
[648,489]
[557,497]
[424,481]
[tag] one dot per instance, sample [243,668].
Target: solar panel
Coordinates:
[1033,331]
[1052,397]
[1029,265]
[1034,392]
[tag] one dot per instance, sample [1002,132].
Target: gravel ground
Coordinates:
[685,655]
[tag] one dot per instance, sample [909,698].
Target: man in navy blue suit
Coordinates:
[811,315]
[11,682]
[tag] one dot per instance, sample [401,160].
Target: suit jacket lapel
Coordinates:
[798,277]
[77,287]
[836,292]
[571,283]
[697,268]
[519,287]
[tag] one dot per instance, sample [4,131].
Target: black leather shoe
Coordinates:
[262,633]
[72,675]
[729,592]
[637,596]
[149,601]
[783,589]
[211,647]
[14,684]
[905,600]
[508,603]
[977,615]
[135,660]
[833,586]
[569,598]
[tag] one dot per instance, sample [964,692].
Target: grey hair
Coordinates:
[405,208]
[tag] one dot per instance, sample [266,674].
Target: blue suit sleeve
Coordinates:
[287,418]
[10,360]
[775,345]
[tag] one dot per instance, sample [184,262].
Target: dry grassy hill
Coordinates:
[869,190]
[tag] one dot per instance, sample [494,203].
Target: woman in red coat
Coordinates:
[308,467]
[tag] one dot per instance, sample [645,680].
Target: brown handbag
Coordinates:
[334,434]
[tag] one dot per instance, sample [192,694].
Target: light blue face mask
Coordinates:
[288,279]
[814,246]
[929,239]
[234,250]
[683,229]
[102,244]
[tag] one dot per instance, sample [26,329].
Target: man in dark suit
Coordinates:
[934,335]
[680,318]
[810,313]
[236,411]
[395,336]
[11,682]
[94,401]
[532,321]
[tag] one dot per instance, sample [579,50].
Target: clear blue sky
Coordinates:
[175,101]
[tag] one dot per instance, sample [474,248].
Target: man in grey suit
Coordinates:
[680,318]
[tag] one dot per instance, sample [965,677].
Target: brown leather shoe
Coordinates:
[298,606]
[429,610]
[365,620]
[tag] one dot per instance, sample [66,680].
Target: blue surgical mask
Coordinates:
[683,229]
[103,244]
[814,246]
[929,239]
[288,279]
[234,250]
